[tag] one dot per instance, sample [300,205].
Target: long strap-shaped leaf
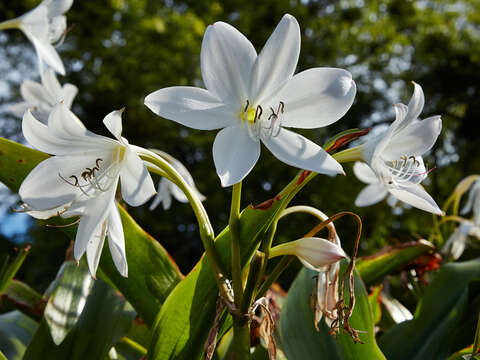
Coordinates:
[152,272]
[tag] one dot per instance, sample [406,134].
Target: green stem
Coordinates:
[256,266]
[241,339]
[234,224]
[160,166]
[9,24]
[348,155]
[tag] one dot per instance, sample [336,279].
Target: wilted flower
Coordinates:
[457,242]
[41,98]
[255,98]
[396,157]
[44,25]
[81,180]
[167,189]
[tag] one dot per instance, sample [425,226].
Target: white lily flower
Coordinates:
[396,157]
[314,253]
[255,98]
[457,242]
[167,189]
[41,98]
[81,180]
[473,202]
[375,191]
[44,25]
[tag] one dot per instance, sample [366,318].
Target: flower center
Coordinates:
[260,123]
[98,177]
[406,171]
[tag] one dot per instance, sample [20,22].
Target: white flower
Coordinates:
[167,189]
[396,157]
[44,25]
[41,98]
[457,242]
[81,180]
[314,253]
[473,202]
[255,98]
[375,191]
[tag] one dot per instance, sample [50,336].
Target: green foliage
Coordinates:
[300,339]
[374,268]
[437,316]
[106,311]
[16,330]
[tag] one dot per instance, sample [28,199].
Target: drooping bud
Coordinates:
[314,253]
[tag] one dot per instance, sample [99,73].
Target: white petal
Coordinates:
[295,150]
[136,183]
[415,106]
[226,60]
[277,61]
[113,122]
[47,53]
[116,240]
[163,196]
[58,7]
[190,106]
[316,97]
[234,154]
[455,244]
[46,214]
[313,252]
[92,230]
[370,195]
[414,140]
[41,138]
[43,188]
[52,85]
[364,173]
[69,93]
[19,109]
[34,93]
[417,197]
[178,194]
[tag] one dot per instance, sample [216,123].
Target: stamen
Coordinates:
[246,106]
[64,226]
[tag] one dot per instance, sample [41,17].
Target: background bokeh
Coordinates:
[118,51]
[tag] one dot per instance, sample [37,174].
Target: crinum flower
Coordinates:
[457,242]
[44,25]
[41,98]
[255,99]
[396,155]
[82,179]
[313,252]
[167,189]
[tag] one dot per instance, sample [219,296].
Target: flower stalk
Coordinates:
[160,166]
[234,224]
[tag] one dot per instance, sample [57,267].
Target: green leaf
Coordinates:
[301,340]
[16,330]
[10,267]
[66,303]
[373,268]
[437,316]
[374,300]
[183,323]
[106,318]
[152,272]
[22,297]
